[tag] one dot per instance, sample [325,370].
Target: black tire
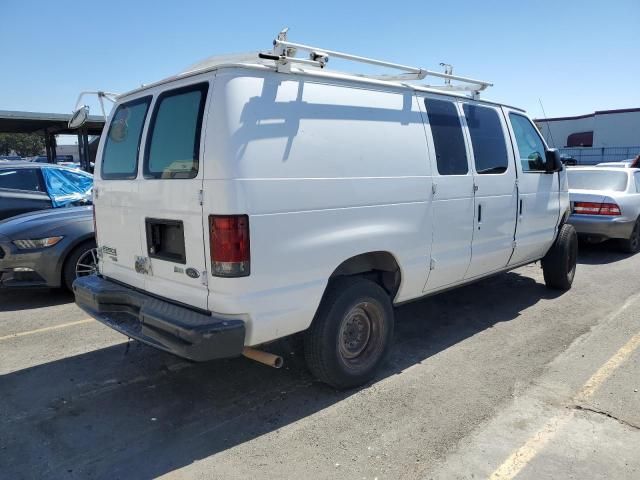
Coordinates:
[632,244]
[351,333]
[559,264]
[70,264]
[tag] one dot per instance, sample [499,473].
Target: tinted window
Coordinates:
[120,157]
[530,146]
[21,179]
[451,155]
[487,139]
[637,176]
[597,180]
[173,144]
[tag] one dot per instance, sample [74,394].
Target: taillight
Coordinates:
[229,242]
[593,208]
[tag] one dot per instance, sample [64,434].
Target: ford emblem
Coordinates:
[192,272]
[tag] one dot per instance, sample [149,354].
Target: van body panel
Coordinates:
[326,171]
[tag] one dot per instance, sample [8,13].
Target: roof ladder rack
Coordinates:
[284,54]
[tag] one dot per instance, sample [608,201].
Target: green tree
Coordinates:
[24,144]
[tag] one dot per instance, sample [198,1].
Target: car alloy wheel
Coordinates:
[87,264]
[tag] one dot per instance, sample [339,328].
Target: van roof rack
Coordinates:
[284,55]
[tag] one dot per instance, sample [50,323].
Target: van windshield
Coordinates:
[597,180]
[120,156]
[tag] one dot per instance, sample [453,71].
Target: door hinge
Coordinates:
[514,244]
[204,279]
[432,264]
[517,182]
[434,188]
[201,197]
[475,187]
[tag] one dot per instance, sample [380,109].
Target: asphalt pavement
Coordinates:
[499,379]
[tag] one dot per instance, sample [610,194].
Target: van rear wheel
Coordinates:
[351,333]
[559,264]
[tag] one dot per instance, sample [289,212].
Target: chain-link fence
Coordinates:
[593,155]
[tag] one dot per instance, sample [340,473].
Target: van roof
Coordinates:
[253,62]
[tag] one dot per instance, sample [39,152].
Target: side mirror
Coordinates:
[79,117]
[553,161]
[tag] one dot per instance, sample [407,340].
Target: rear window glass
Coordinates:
[173,145]
[451,155]
[120,157]
[487,139]
[597,180]
[21,179]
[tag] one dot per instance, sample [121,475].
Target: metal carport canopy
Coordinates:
[52,123]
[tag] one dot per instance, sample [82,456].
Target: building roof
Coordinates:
[32,122]
[588,115]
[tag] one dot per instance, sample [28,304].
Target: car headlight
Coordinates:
[36,243]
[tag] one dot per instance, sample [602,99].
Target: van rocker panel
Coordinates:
[173,328]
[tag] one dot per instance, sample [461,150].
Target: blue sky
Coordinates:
[577,56]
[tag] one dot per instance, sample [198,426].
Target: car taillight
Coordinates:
[593,208]
[229,242]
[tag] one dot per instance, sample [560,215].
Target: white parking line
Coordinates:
[46,329]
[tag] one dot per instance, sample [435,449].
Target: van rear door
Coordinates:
[171,228]
[116,192]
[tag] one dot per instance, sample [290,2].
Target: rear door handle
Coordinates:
[521,204]
[480,213]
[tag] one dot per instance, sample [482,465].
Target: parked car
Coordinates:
[262,202]
[605,204]
[47,248]
[568,160]
[622,164]
[25,186]
[10,158]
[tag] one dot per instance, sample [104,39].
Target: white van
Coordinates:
[249,199]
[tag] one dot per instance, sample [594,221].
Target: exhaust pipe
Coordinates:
[269,359]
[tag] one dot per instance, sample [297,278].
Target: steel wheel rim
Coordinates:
[361,335]
[87,264]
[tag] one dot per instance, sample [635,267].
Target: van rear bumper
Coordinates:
[173,328]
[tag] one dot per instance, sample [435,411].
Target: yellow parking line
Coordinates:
[46,329]
[527,452]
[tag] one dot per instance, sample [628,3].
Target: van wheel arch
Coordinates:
[380,267]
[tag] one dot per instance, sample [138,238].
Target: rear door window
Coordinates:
[597,180]
[27,179]
[487,139]
[120,156]
[448,140]
[173,142]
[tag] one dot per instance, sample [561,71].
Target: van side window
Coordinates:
[637,177]
[451,154]
[120,155]
[530,146]
[173,142]
[487,139]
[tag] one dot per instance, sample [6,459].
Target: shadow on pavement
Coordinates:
[111,414]
[27,298]
[600,253]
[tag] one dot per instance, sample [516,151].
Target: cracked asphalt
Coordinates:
[500,379]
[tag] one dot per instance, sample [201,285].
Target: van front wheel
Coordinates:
[559,264]
[351,333]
